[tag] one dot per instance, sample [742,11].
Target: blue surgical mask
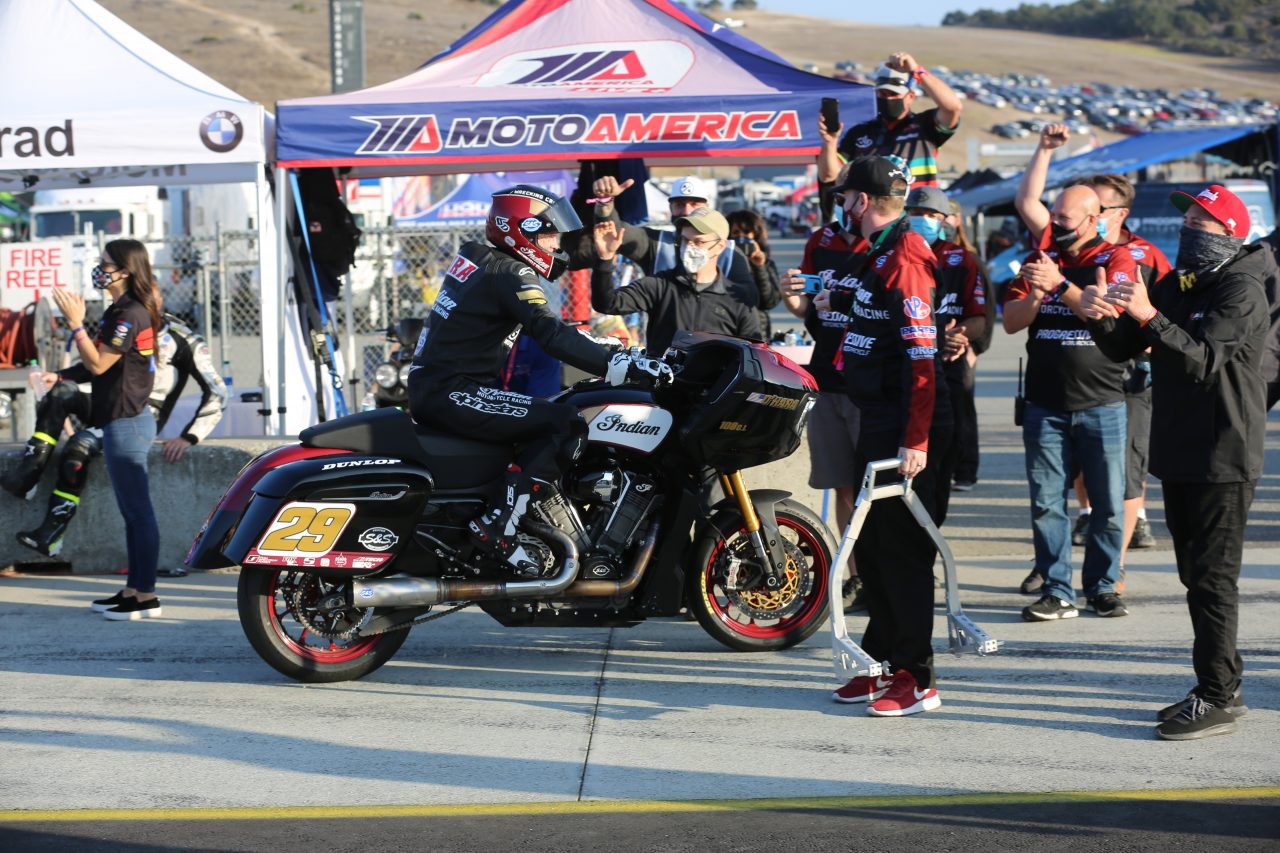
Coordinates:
[1102,228]
[841,218]
[926,227]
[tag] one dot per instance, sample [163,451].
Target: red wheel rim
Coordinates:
[816,566]
[329,653]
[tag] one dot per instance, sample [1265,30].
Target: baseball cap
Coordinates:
[929,198]
[875,175]
[689,186]
[706,221]
[898,82]
[1220,203]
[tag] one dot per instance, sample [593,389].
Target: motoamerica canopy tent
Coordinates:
[543,83]
[91,102]
[469,202]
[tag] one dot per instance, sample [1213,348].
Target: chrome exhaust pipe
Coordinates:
[408,591]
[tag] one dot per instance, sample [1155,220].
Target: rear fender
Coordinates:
[207,547]
[343,517]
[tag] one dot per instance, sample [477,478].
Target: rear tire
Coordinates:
[291,648]
[721,613]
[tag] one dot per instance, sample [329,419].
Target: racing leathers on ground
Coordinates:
[890,356]
[488,298]
[181,354]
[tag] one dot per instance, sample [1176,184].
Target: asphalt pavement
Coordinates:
[172,734]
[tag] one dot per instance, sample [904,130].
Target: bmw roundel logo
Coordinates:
[221,131]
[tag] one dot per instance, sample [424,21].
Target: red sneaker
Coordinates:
[864,689]
[904,698]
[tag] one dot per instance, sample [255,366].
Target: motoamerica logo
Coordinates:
[421,134]
[614,423]
[653,66]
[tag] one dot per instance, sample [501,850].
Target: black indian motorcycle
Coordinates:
[349,538]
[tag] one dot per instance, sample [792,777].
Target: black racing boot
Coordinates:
[21,482]
[47,538]
[495,532]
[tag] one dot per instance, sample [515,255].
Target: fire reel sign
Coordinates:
[29,271]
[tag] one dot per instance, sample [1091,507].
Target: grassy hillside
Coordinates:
[274,49]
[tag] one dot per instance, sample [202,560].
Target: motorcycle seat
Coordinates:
[455,462]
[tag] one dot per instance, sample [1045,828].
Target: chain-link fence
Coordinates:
[212,282]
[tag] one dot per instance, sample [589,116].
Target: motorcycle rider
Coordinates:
[491,293]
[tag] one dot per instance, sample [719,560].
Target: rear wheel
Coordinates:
[299,624]
[728,594]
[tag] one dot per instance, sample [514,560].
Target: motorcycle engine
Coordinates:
[618,501]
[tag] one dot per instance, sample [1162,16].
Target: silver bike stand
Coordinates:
[847,656]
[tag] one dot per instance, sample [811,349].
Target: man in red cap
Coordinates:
[1206,324]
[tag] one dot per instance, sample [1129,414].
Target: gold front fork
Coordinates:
[734,487]
[737,489]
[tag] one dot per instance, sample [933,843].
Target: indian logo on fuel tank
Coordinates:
[651,66]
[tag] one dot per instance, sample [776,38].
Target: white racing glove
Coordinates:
[626,368]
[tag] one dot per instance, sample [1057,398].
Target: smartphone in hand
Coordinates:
[831,115]
[812,283]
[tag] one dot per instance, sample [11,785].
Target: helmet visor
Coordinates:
[561,217]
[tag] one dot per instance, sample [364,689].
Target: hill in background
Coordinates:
[274,50]
[1214,27]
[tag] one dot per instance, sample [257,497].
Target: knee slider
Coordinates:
[73,468]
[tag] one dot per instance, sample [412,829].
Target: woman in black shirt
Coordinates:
[120,362]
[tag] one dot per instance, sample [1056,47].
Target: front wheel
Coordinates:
[729,598]
[299,625]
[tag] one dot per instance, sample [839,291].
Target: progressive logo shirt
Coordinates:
[834,255]
[1065,370]
[890,349]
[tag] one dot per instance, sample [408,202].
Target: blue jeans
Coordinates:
[126,444]
[1059,444]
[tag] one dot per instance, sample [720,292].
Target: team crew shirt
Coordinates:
[961,290]
[1065,370]
[122,391]
[834,255]
[916,138]
[890,351]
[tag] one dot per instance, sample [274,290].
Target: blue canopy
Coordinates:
[1127,155]
[469,202]
[542,84]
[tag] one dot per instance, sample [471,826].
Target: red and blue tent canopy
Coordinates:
[543,83]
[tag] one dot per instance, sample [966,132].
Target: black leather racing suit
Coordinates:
[487,299]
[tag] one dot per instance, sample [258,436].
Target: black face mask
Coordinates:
[1062,235]
[891,108]
[1202,250]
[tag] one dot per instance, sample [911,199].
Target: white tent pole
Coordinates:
[282,279]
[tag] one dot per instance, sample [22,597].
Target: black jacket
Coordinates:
[640,244]
[1208,400]
[672,303]
[486,298]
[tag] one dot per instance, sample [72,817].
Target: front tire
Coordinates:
[291,647]
[755,619]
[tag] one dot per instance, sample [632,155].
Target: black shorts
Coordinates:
[1137,455]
